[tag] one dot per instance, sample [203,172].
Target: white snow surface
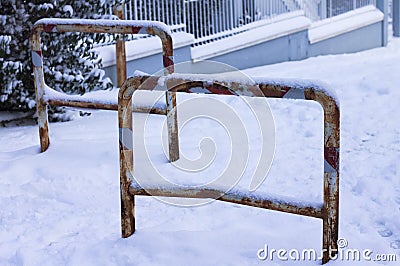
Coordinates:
[62,207]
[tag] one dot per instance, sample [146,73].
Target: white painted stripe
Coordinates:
[36,59]
[126,138]
[294,94]
[143,30]
[328,168]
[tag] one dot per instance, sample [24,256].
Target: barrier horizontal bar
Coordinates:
[113,107]
[233,197]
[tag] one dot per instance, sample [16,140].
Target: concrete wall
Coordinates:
[364,38]
[149,64]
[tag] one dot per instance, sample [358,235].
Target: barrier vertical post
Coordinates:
[126,165]
[170,99]
[172,125]
[120,53]
[330,224]
[41,106]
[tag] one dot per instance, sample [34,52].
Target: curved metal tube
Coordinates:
[329,213]
[90,26]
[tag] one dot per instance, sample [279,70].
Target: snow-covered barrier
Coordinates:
[328,211]
[47,96]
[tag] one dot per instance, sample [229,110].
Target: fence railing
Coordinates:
[210,20]
[337,7]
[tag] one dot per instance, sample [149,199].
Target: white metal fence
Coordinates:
[209,20]
[337,7]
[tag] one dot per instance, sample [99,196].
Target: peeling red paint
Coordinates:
[167,62]
[49,27]
[331,155]
[135,30]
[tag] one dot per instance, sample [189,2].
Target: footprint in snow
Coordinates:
[385,232]
[19,154]
[395,244]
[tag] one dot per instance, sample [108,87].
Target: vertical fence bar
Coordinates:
[145,14]
[135,9]
[187,21]
[166,12]
[383,6]
[219,16]
[231,11]
[209,18]
[200,16]
[396,17]
[323,14]
[225,15]
[184,18]
[130,10]
[270,8]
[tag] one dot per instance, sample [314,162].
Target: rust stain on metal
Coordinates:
[273,90]
[172,126]
[331,170]
[102,106]
[120,52]
[229,197]
[43,126]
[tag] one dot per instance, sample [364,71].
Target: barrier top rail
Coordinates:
[46,95]
[189,83]
[103,26]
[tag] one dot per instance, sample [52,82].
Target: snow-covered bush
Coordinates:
[70,64]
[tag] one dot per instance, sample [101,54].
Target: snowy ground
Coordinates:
[61,207]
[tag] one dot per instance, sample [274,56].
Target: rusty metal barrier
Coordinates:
[46,96]
[328,211]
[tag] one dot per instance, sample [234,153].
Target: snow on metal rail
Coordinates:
[289,89]
[47,96]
